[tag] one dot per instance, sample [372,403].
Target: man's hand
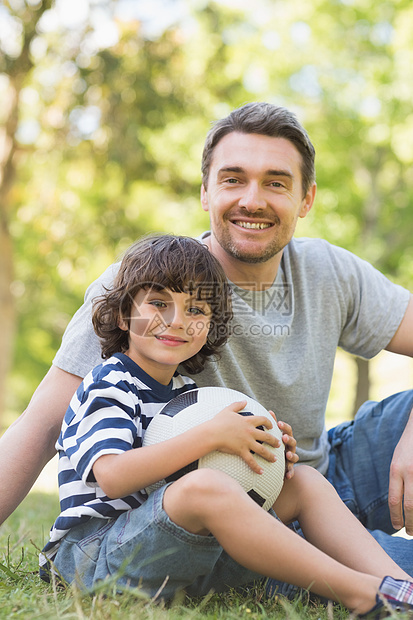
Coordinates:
[401,481]
[291,457]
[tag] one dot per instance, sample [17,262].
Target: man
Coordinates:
[295,301]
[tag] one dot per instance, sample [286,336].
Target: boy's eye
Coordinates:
[157,303]
[195,310]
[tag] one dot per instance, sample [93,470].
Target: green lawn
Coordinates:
[24,596]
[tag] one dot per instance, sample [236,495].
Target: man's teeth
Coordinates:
[256,225]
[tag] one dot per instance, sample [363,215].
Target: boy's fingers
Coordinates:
[266,454]
[265,437]
[238,405]
[252,463]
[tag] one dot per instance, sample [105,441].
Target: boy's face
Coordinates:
[165,329]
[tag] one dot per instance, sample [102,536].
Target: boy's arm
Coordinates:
[119,475]
[29,442]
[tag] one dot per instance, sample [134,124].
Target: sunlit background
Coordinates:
[104,109]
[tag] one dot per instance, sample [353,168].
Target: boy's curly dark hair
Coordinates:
[180,264]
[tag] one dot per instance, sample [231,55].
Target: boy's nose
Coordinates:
[177,318]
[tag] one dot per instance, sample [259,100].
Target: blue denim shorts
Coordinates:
[144,548]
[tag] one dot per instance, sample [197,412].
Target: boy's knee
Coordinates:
[203,488]
[306,472]
[193,499]
[206,482]
[311,480]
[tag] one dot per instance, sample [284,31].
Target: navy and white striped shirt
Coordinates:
[108,415]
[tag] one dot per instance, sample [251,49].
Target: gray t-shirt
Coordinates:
[284,339]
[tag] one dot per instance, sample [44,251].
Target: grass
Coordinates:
[24,596]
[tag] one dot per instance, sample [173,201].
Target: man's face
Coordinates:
[254,195]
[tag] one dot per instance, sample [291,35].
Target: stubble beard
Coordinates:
[262,255]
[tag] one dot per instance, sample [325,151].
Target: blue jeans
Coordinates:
[143,546]
[359,463]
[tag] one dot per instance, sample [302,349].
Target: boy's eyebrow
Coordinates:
[157,291]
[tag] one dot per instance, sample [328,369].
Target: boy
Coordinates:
[170,305]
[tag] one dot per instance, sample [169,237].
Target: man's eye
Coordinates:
[232,181]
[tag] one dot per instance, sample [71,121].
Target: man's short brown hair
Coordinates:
[268,120]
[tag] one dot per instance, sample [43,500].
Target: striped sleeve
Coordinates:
[103,423]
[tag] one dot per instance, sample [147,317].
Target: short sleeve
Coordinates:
[373,306]
[104,423]
[80,348]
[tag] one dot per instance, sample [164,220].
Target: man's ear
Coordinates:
[308,200]
[204,198]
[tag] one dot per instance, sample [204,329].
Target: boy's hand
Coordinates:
[238,434]
[291,457]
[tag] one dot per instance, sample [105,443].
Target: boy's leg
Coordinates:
[359,465]
[143,548]
[204,502]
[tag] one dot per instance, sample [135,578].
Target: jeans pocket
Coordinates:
[79,552]
[91,545]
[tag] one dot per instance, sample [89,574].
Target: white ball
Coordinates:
[202,404]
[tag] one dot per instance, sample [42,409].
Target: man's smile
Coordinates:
[252,225]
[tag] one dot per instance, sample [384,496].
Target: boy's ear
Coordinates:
[123,324]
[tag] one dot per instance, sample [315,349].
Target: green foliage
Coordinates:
[110,137]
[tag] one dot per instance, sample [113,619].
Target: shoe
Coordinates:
[394,596]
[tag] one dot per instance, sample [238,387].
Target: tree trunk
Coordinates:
[17,69]
[7,314]
[7,174]
[363,383]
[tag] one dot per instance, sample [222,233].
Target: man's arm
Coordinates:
[401,468]
[402,341]
[28,444]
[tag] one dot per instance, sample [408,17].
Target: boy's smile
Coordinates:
[165,329]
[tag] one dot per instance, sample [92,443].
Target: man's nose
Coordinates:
[252,198]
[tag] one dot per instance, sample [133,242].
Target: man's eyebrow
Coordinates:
[279,173]
[231,169]
[269,173]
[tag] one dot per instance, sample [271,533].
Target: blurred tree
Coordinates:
[108,127]
[363,136]
[15,64]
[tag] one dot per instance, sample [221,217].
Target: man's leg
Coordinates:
[359,466]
